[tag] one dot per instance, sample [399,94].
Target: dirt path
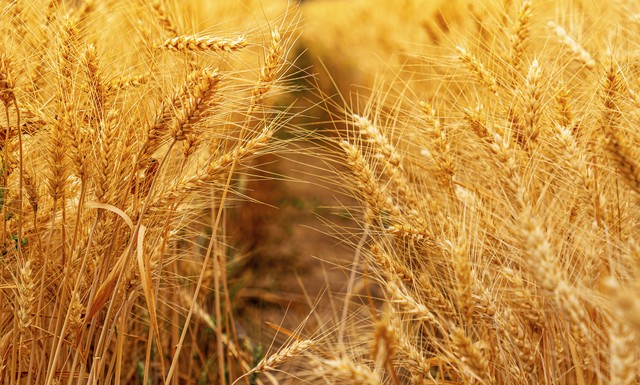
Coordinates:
[293,258]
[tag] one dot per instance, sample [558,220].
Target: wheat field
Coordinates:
[470,199]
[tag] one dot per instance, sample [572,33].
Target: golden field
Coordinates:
[366,192]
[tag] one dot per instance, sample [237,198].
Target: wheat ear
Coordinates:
[270,68]
[478,69]
[532,102]
[408,304]
[126,82]
[622,362]
[204,43]
[6,82]
[377,201]
[97,92]
[163,18]
[26,296]
[464,279]
[215,169]
[470,356]
[520,35]
[348,370]
[547,272]
[273,361]
[568,42]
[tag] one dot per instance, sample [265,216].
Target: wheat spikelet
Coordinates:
[384,149]
[575,157]
[204,43]
[429,288]
[75,315]
[190,145]
[504,152]
[612,99]
[563,107]
[477,121]
[615,142]
[412,357]
[387,152]
[525,301]
[79,149]
[418,234]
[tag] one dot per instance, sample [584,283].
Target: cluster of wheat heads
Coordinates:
[121,129]
[499,209]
